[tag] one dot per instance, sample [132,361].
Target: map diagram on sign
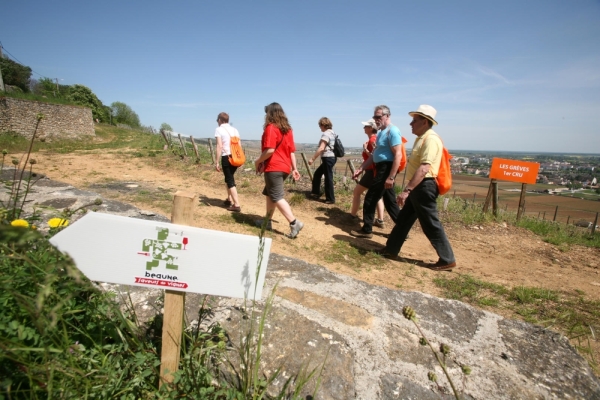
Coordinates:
[160,249]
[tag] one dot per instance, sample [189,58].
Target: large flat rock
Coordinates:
[370,350]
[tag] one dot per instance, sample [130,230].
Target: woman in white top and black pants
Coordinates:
[223,136]
[328,160]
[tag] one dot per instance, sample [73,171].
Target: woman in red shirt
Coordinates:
[276,161]
[367,179]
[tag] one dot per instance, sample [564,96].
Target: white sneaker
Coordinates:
[295,229]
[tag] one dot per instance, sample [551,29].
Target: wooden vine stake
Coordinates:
[310,173]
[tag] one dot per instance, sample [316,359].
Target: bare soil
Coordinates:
[495,253]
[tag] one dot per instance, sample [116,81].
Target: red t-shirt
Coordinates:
[370,147]
[281,160]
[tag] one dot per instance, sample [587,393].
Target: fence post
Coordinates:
[454,195]
[162,132]
[351,166]
[544,216]
[474,196]
[521,209]
[495,197]
[182,145]
[195,146]
[488,198]
[595,223]
[568,218]
[555,213]
[310,174]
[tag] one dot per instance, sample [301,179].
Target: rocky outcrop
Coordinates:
[370,350]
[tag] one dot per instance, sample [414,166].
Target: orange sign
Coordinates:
[514,171]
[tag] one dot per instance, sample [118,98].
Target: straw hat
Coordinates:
[370,123]
[425,111]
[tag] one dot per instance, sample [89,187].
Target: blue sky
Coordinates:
[503,75]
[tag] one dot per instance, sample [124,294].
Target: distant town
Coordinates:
[561,172]
[558,173]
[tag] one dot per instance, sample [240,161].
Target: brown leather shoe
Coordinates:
[361,234]
[234,209]
[383,253]
[441,266]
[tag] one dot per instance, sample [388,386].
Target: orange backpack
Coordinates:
[403,161]
[444,176]
[402,165]
[237,157]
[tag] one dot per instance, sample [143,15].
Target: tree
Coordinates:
[165,127]
[123,114]
[47,87]
[84,96]
[15,74]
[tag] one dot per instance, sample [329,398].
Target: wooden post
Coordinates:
[310,174]
[454,195]
[212,153]
[183,214]
[555,213]
[488,198]
[351,166]
[495,197]
[182,145]
[521,208]
[595,223]
[164,135]
[195,146]
[568,218]
[474,196]
[544,216]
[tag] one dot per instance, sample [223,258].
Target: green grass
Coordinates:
[354,257]
[560,234]
[572,314]
[297,199]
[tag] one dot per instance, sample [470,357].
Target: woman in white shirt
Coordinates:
[223,136]
[328,160]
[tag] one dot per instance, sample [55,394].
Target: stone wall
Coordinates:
[60,121]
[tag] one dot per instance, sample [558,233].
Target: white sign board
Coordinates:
[129,251]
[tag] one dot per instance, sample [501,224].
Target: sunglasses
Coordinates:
[378,116]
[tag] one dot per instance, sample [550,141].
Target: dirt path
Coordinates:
[494,253]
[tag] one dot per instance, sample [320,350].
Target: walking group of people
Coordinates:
[382,155]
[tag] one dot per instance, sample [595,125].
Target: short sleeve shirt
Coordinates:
[386,139]
[426,150]
[224,131]
[281,160]
[370,147]
[329,138]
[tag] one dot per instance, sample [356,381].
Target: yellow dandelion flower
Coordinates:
[20,223]
[57,222]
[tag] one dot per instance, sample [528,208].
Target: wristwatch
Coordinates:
[407,190]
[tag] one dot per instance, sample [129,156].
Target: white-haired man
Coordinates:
[418,200]
[386,157]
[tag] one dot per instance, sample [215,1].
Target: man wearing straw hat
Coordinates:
[418,200]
